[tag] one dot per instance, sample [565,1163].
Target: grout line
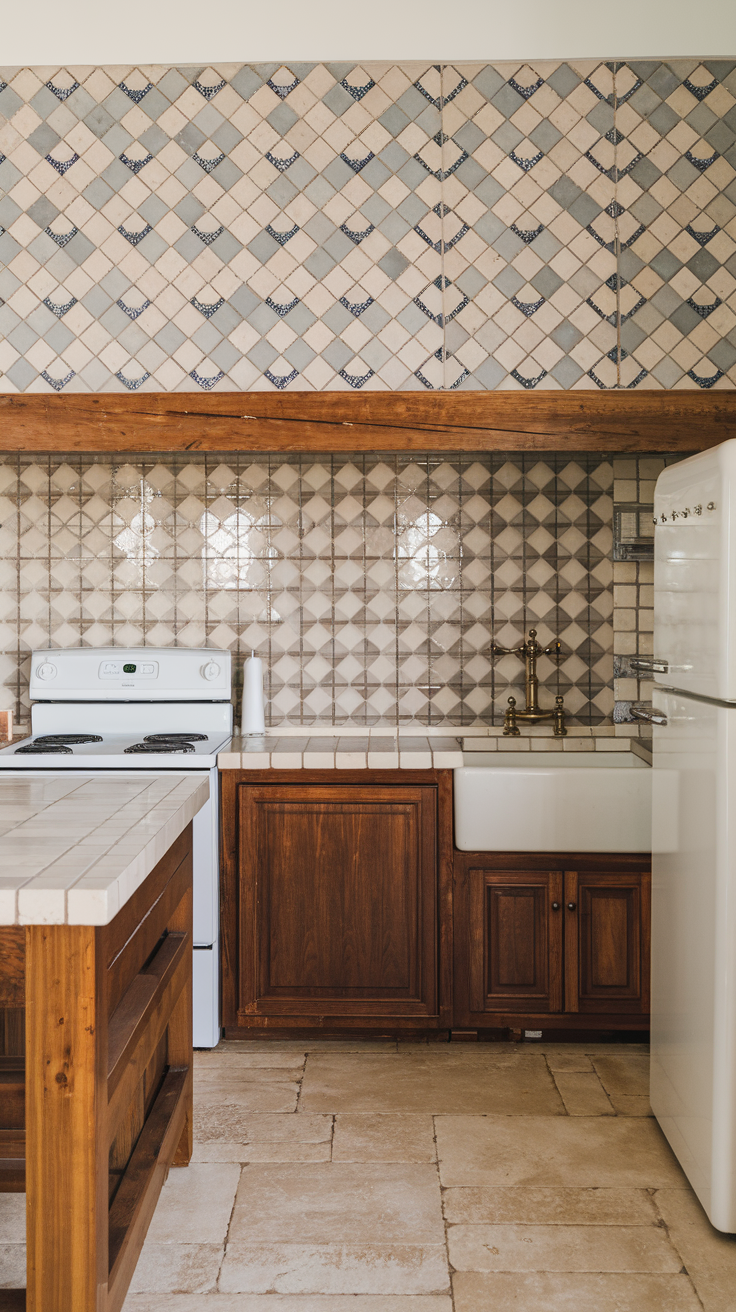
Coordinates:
[445,1223]
[664,1226]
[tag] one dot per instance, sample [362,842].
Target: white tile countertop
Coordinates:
[380,749]
[79,847]
[373,752]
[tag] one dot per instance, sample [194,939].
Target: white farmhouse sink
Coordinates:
[553,802]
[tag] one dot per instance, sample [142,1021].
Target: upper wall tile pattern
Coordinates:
[338,226]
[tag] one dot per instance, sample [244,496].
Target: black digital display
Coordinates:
[129,669]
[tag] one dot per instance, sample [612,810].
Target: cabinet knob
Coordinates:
[571,906]
[555,906]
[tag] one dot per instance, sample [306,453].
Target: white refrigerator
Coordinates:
[693,1065]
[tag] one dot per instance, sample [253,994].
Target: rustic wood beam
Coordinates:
[376,421]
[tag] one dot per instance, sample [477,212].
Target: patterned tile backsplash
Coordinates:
[338,226]
[371,586]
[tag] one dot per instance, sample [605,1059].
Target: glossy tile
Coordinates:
[371,586]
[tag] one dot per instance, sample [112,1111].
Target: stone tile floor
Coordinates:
[407,1177]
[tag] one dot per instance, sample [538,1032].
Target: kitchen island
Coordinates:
[95,958]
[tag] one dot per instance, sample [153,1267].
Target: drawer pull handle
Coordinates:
[572,906]
[555,906]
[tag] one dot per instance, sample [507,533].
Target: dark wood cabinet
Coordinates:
[551,941]
[336,900]
[345,908]
[515,948]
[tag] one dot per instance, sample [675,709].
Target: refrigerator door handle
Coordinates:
[649,717]
[649,665]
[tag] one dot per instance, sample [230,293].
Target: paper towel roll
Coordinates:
[252,719]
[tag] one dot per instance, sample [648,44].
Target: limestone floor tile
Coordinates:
[335,1268]
[262,1127]
[230,1062]
[226,1134]
[12,1219]
[623,1073]
[582,1093]
[550,1152]
[273,1151]
[631,1104]
[709,1255]
[572,1292]
[230,1076]
[568,1061]
[562,1248]
[549,1206]
[339,1202]
[12,1265]
[426,1082]
[289,1303]
[195,1205]
[214,1100]
[405,1137]
[307,1045]
[177,1268]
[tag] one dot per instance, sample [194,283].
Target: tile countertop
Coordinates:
[384,751]
[80,847]
[374,752]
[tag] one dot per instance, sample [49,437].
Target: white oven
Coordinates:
[159,710]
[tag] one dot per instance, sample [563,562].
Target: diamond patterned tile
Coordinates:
[343,226]
[372,586]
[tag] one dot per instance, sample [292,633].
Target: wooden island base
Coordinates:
[107,1103]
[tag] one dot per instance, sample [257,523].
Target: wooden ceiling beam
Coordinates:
[615,421]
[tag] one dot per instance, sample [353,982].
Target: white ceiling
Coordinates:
[79,32]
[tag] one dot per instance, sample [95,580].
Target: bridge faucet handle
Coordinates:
[496,650]
[554,649]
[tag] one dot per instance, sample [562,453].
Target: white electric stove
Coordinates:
[154,709]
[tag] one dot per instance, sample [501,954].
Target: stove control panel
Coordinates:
[126,669]
[131,674]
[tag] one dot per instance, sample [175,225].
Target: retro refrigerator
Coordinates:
[693,1063]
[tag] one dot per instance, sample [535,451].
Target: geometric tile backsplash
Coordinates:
[371,585]
[346,226]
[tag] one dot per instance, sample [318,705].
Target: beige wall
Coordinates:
[250,30]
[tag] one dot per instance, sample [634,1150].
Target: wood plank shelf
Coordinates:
[615,421]
[101,1106]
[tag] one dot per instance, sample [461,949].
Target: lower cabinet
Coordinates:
[332,902]
[550,941]
[345,908]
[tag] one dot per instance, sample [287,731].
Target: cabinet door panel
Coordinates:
[606,965]
[516,941]
[339,894]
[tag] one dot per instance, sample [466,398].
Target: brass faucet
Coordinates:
[532,713]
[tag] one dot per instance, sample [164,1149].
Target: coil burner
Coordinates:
[56,739]
[158,748]
[175,738]
[48,749]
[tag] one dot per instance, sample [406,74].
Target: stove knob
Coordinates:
[46,671]
[211,670]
